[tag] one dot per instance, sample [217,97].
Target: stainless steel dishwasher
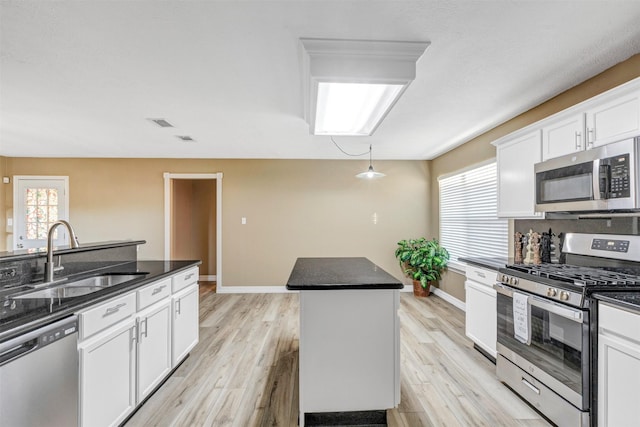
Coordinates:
[39,377]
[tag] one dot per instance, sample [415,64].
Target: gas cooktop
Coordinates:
[580,275]
[595,263]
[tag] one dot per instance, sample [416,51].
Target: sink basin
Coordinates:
[79,287]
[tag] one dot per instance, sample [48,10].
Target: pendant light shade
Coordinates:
[370,173]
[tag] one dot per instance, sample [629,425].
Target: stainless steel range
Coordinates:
[547,323]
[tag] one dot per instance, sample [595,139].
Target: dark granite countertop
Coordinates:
[490,263]
[18,316]
[339,273]
[21,254]
[628,300]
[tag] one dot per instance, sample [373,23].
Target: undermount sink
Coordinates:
[79,287]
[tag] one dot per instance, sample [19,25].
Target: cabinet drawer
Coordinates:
[481,275]
[184,279]
[154,293]
[106,314]
[619,321]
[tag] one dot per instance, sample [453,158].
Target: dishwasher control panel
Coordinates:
[58,333]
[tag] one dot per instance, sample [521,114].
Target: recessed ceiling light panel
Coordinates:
[351,85]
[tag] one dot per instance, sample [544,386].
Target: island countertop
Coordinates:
[339,273]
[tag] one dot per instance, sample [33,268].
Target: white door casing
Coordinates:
[38,201]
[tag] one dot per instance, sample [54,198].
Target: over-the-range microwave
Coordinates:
[604,178]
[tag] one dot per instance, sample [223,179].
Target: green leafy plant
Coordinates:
[421,259]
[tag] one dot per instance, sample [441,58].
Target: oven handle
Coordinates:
[552,307]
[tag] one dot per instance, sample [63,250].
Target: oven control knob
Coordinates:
[564,296]
[505,278]
[551,292]
[513,280]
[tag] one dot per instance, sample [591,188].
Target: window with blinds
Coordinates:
[469,225]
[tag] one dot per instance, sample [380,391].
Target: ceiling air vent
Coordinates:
[185,137]
[162,123]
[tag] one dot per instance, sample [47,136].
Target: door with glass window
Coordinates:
[39,201]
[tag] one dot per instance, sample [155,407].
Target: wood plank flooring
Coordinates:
[244,371]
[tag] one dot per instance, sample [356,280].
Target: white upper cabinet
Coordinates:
[613,119]
[609,117]
[516,180]
[563,136]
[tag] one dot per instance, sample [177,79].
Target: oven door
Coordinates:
[557,353]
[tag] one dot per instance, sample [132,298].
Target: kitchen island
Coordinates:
[349,340]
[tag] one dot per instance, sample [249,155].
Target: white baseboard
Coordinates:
[208,278]
[449,298]
[252,290]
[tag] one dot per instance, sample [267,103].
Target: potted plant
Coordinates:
[423,261]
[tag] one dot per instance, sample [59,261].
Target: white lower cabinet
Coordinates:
[481,309]
[129,344]
[349,350]
[107,376]
[185,323]
[154,347]
[618,367]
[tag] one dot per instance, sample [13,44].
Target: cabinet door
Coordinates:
[481,316]
[516,180]
[154,347]
[563,136]
[185,323]
[107,376]
[618,381]
[614,120]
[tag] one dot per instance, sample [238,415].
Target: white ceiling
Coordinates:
[79,78]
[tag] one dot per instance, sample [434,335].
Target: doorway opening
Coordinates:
[193,223]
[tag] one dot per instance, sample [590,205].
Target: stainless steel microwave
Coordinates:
[604,178]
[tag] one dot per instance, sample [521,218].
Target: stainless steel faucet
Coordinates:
[49,268]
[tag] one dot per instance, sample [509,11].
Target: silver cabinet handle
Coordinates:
[145,328]
[158,289]
[590,136]
[189,276]
[178,306]
[535,389]
[578,140]
[480,274]
[114,309]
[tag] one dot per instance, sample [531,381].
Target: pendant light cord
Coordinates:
[349,154]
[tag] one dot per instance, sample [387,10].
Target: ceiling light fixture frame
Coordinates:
[371,62]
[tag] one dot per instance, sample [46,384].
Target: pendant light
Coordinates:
[370,173]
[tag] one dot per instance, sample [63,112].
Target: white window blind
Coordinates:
[469,225]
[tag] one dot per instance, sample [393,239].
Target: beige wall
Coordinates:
[293,208]
[3,205]
[480,148]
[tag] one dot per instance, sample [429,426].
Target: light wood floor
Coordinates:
[244,370]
